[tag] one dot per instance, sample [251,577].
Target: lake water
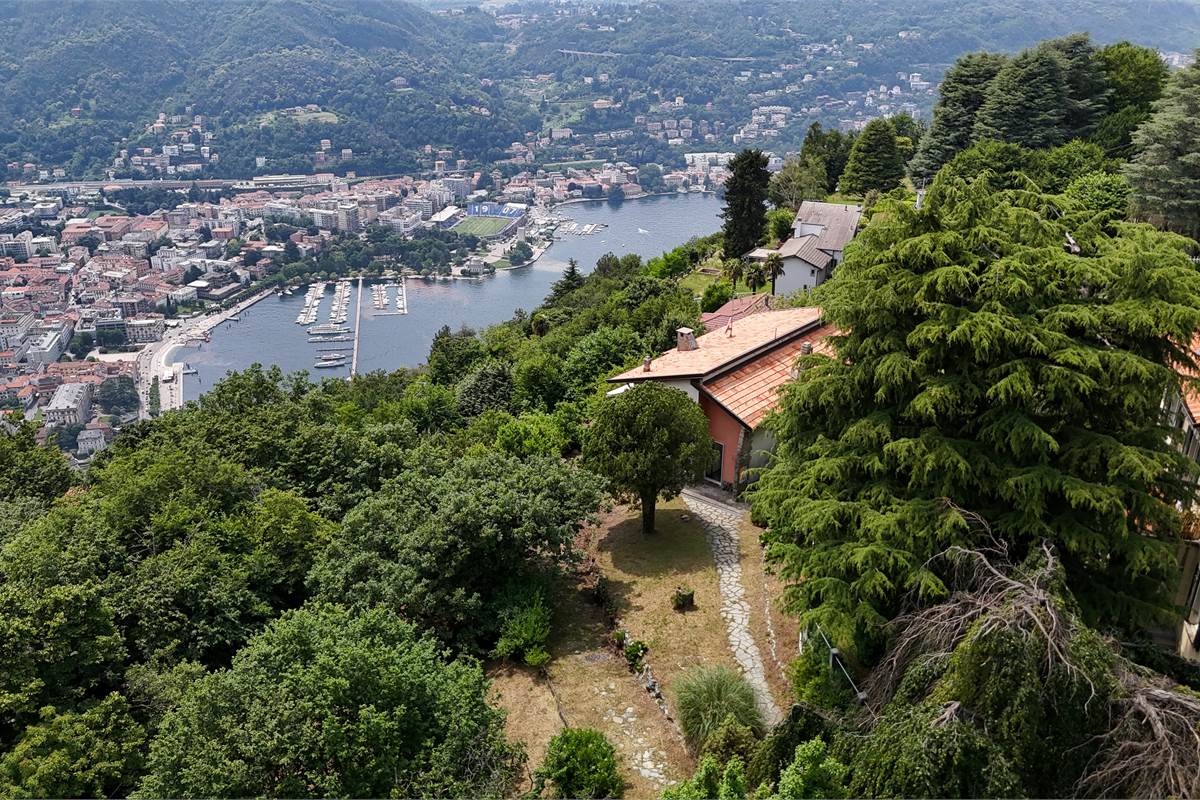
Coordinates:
[267,333]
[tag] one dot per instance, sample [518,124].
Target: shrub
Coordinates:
[802,724]
[634,652]
[581,763]
[706,695]
[683,598]
[716,295]
[814,682]
[618,638]
[525,625]
[731,740]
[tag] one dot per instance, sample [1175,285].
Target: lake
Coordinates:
[267,332]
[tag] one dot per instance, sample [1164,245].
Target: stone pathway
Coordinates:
[647,760]
[720,522]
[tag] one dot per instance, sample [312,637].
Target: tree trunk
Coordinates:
[772,287]
[648,501]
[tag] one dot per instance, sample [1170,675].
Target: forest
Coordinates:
[82,80]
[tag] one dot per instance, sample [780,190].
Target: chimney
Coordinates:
[646,364]
[806,348]
[685,339]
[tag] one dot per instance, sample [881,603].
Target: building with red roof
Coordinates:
[735,373]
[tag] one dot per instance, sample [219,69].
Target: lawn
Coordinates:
[302,117]
[699,280]
[482,226]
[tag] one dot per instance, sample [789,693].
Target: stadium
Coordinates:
[490,220]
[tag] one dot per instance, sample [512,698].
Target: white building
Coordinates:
[70,405]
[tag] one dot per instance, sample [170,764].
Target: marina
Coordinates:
[389,339]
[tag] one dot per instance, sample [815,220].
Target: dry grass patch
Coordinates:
[763,592]
[587,686]
[643,572]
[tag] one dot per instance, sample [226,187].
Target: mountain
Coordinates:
[81,80]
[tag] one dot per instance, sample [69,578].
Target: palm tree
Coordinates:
[756,276]
[734,268]
[774,269]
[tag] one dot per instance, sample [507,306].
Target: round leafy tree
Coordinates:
[648,441]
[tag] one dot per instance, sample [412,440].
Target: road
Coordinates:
[153,359]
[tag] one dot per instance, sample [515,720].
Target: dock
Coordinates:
[357,327]
[380,295]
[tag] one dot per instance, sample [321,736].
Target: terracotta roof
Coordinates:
[736,309]
[751,390]
[715,349]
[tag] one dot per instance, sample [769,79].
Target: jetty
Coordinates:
[357,328]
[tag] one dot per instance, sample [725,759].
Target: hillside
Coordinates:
[81,80]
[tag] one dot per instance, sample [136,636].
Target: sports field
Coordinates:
[482,226]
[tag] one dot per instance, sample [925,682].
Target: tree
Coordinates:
[649,441]
[716,295]
[571,280]
[1018,407]
[580,763]
[779,224]
[440,544]
[774,269]
[29,470]
[800,179]
[813,774]
[1101,191]
[1026,103]
[1165,171]
[452,354]
[960,96]
[489,384]
[756,276]
[95,752]
[828,148]
[733,269]
[370,709]
[1086,83]
[117,395]
[745,202]
[875,162]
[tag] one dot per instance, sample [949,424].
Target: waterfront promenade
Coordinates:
[152,360]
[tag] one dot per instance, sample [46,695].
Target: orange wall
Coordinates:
[723,428]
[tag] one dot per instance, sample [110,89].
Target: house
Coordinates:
[1183,417]
[735,373]
[820,234]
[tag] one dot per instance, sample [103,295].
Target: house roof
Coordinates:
[751,390]
[735,309]
[806,248]
[838,223]
[717,350]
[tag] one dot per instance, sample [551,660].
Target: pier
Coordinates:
[357,327]
[380,298]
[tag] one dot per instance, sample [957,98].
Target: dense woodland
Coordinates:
[234,62]
[288,588]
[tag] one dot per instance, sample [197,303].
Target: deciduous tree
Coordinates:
[649,441]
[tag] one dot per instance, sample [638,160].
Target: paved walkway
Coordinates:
[721,521]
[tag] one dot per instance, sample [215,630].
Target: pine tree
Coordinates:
[975,382]
[745,202]
[1086,82]
[831,148]
[875,161]
[1165,172]
[1026,103]
[959,97]
[571,280]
